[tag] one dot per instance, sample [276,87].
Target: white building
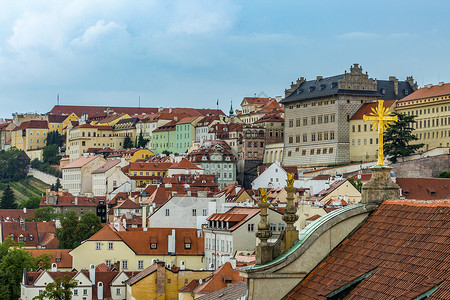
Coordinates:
[185,212]
[77,176]
[228,233]
[107,178]
[272,177]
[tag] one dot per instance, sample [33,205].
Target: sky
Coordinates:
[192,53]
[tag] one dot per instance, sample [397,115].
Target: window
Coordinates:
[303,152]
[110,246]
[194,212]
[280,226]
[291,139]
[297,138]
[167,212]
[311,152]
[297,122]
[305,138]
[332,135]
[98,246]
[205,211]
[153,246]
[168,280]
[75,292]
[313,120]
[251,227]
[118,291]
[108,263]
[313,137]
[291,123]
[124,264]
[273,227]
[85,292]
[305,121]
[140,264]
[188,245]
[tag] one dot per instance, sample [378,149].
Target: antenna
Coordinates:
[57,99]
[139,101]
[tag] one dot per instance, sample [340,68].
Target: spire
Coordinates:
[231,108]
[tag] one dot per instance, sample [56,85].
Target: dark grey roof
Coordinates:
[231,292]
[329,86]
[386,89]
[314,89]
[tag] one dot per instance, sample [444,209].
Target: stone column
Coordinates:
[263,250]
[380,187]
[290,217]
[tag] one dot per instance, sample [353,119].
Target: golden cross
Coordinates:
[382,120]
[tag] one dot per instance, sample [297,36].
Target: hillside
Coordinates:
[26,188]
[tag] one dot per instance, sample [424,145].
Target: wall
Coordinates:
[48,179]
[423,167]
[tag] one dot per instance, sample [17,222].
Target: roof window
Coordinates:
[382,91]
[323,86]
[334,84]
[311,88]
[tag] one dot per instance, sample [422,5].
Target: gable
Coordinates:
[82,279]
[119,279]
[43,279]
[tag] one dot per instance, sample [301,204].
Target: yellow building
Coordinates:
[364,139]
[55,123]
[135,154]
[112,120]
[136,250]
[159,282]
[431,106]
[30,136]
[146,172]
[339,193]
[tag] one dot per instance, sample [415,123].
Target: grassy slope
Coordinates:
[26,188]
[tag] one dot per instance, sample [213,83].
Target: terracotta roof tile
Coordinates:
[236,214]
[80,162]
[366,109]
[232,292]
[61,257]
[184,164]
[404,243]
[105,234]
[425,92]
[33,124]
[107,166]
[220,279]
[128,204]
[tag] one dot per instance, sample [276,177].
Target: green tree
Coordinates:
[53,138]
[89,224]
[44,214]
[74,231]
[141,141]
[13,259]
[31,203]
[356,183]
[444,175]
[51,154]
[398,137]
[58,184]
[67,234]
[127,143]
[8,200]
[14,164]
[60,289]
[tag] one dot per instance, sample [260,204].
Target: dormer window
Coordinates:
[311,88]
[383,92]
[153,242]
[187,243]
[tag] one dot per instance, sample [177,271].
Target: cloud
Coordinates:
[97,32]
[358,35]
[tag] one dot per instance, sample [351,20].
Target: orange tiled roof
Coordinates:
[425,188]
[33,124]
[128,204]
[366,109]
[105,234]
[217,280]
[61,257]
[80,162]
[184,164]
[405,246]
[425,92]
[236,214]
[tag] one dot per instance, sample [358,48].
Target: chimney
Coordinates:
[171,242]
[124,223]
[100,290]
[60,191]
[183,265]
[54,267]
[319,78]
[395,80]
[161,279]
[76,201]
[24,210]
[144,216]
[92,274]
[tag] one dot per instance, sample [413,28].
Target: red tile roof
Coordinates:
[237,214]
[219,279]
[139,241]
[366,109]
[234,291]
[15,214]
[33,124]
[425,92]
[107,166]
[149,166]
[405,246]
[128,204]
[184,164]
[61,257]
[425,188]
[80,162]
[105,234]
